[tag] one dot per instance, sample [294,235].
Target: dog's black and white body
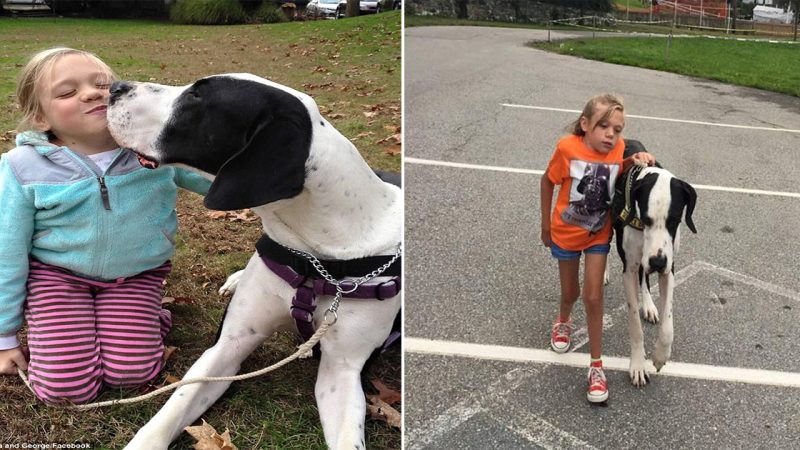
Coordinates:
[658,199]
[266,147]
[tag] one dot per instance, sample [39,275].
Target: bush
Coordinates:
[269,12]
[207,12]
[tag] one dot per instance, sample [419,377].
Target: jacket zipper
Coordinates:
[104,193]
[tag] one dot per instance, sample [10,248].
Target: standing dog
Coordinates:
[647,209]
[266,147]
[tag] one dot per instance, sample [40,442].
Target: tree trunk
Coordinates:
[352,8]
[461,8]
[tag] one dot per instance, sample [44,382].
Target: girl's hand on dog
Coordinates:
[11,359]
[644,159]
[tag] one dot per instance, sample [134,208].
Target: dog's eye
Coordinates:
[193,94]
[648,222]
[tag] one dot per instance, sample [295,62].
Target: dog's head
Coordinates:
[661,200]
[252,135]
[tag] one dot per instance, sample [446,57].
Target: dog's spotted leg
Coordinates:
[229,287]
[360,329]
[637,365]
[649,311]
[663,349]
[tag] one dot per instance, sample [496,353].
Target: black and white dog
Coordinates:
[648,205]
[266,147]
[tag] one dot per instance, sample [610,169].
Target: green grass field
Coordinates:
[764,65]
[352,69]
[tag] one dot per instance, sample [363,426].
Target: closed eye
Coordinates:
[66,94]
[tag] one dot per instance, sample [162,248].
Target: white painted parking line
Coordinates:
[540,432]
[496,393]
[530,355]
[662,119]
[431,162]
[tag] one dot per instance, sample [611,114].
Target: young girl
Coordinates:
[585,164]
[87,237]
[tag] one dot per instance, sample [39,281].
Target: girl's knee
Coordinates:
[75,393]
[593,302]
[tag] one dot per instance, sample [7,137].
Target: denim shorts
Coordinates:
[566,255]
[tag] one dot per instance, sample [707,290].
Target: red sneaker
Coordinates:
[559,337]
[598,386]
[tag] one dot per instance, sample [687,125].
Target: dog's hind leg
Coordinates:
[649,310]
[637,364]
[251,318]
[663,349]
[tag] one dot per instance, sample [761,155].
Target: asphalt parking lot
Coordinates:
[483,113]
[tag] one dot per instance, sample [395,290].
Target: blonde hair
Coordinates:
[40,66]
[612,103]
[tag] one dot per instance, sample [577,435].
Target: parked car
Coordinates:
[322,9]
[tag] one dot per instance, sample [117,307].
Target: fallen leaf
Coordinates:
[168,352]
[167,300]
[386,393]
[217,214]
[171,379]
[380,410]
[370,114]
[208,438]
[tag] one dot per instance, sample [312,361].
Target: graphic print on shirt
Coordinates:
[590,194]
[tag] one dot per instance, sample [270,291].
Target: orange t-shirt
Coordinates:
[581,217]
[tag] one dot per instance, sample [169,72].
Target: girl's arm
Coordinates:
[16,221]
[546,198]
[192,181]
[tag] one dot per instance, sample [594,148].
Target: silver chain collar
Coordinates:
[338,283]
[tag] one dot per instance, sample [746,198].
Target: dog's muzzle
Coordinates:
[657,263]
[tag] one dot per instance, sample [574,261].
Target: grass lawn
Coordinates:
[764,65]
[352,69]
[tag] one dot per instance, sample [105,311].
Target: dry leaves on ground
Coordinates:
[208,438]
[379,405]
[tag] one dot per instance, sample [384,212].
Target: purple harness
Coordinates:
[304,303]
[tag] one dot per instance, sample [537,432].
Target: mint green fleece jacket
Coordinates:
[58,207]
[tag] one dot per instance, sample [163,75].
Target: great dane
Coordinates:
[648,205]
[266,147]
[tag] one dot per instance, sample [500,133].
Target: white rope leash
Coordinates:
[301,350]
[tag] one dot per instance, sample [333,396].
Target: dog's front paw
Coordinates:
[230,284]
[639,376]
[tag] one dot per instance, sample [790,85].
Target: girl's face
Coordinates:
[74,97]
[602,136]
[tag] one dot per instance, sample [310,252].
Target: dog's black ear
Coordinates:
[691,201]
[269,167]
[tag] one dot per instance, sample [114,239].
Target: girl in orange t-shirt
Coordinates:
[585,164]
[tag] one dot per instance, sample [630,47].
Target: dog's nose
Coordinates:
[657,263]
[118,88]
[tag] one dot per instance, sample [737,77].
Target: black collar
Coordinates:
[338,269]
[627,214]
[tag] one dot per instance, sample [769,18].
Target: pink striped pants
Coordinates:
[84,333]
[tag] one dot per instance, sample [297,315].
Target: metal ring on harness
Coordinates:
[335,317]
[347,282]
